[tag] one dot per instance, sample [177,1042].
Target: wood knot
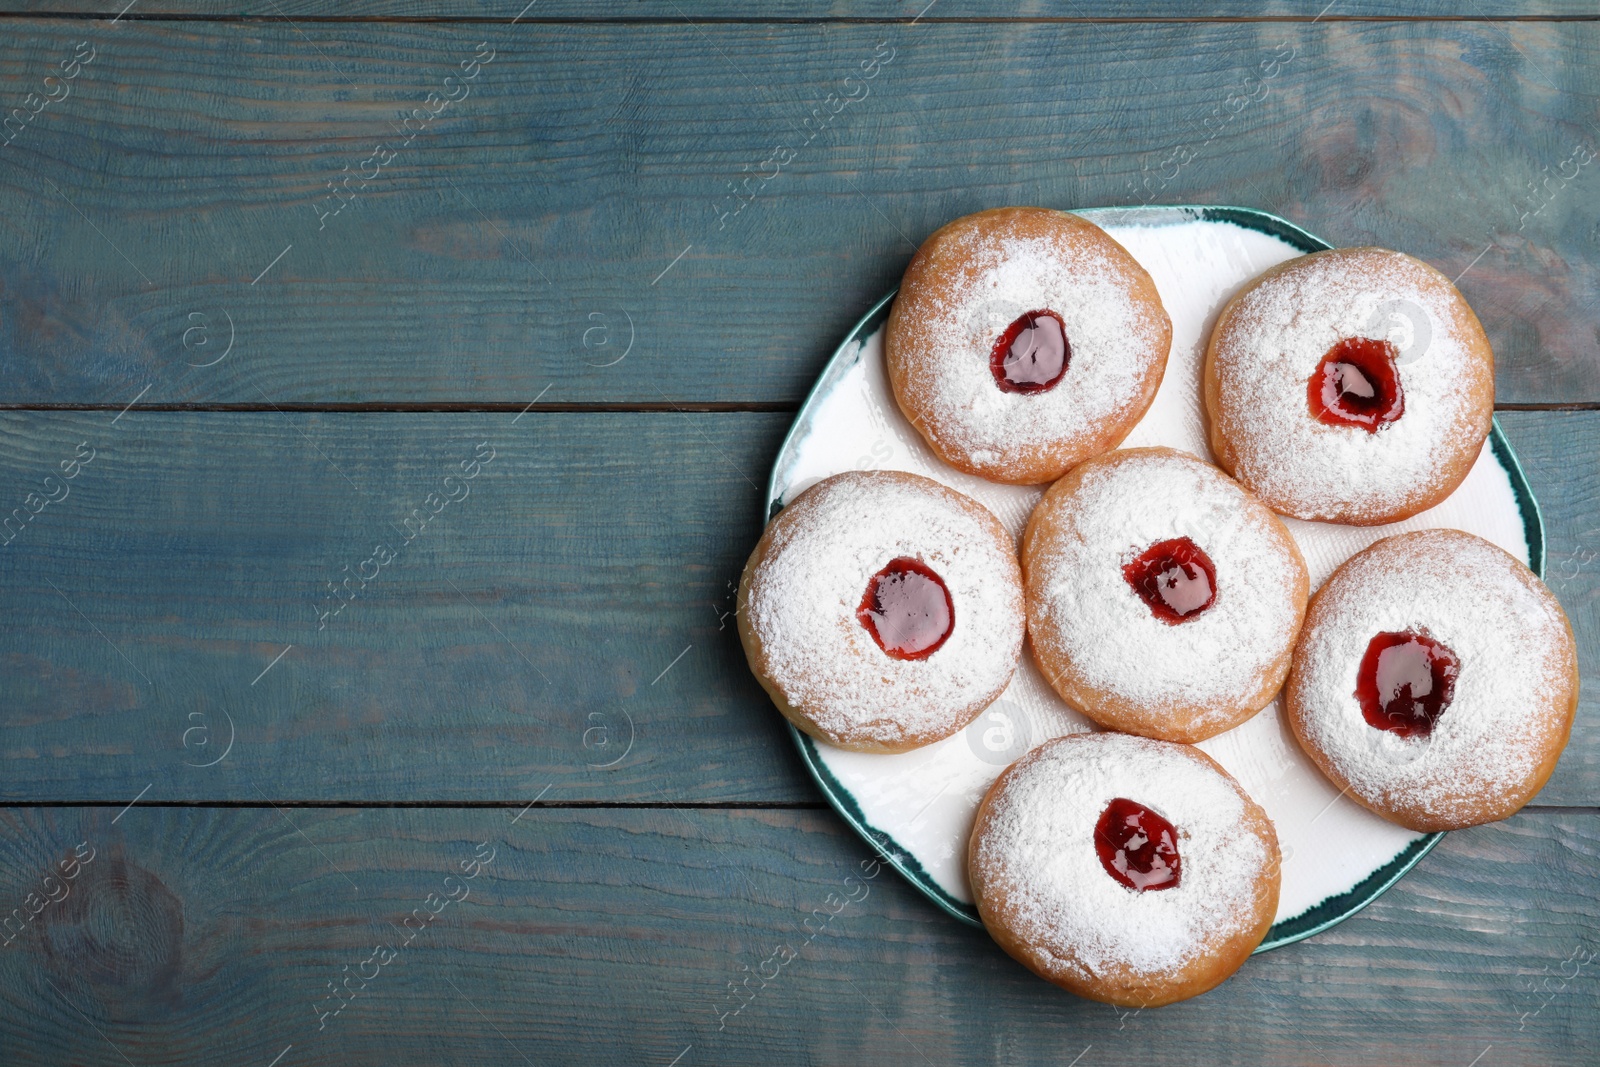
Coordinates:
[121,927]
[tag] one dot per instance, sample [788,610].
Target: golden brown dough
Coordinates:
[1514,683]
[1048,899]
[1106,649]
[804,590]
[980,274]
[1272,338]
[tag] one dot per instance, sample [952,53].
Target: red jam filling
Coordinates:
[1175,578]
[1032,354]
[1137,847]
[907,609]
[1356,384]
[1406,682]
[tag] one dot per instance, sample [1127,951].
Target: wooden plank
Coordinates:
[812,11]
[595,550]
[579,204]
[1555,450]
[572,600]
[611,936]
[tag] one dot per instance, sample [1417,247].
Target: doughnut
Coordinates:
[882,610]
[1322,413]
[1163,598]
[1435,681]
[1023,341]
[1126,870]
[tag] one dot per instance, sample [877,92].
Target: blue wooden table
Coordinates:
[387,391]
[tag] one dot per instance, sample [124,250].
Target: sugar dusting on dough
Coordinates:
[1089,615]
[923,800]
[1039,851]
[803,601]
[1507,634]
[1277,337]
[1113,341]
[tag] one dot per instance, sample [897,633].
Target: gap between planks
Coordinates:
[792,20]
[463,805]
[566,805]
[423,407]
[444,407]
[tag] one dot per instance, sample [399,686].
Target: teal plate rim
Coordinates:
[1319,917]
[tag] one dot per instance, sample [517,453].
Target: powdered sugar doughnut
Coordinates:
[882,610]
[1436,680]
[1130,871]
[1023,341]
[1319,408]
[1163,599]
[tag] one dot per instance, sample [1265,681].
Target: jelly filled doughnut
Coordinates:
[1163,599]
[1129,871]
[1317,409]
[882,610]
[1435,681]
[1023,341]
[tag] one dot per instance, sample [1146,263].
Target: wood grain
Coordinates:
[559,631]
[584,583]
[577,205]
[577,601]
[811,11]
[1548,445]
[204,935]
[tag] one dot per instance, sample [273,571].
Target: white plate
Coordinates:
[917,807]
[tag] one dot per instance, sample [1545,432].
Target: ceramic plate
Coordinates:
[917,807]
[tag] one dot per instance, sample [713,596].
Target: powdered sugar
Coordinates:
[803,599]
[1507,634]
[1086,612]
[1278,334]
[1113,339]
[1038,850]
[920,803]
